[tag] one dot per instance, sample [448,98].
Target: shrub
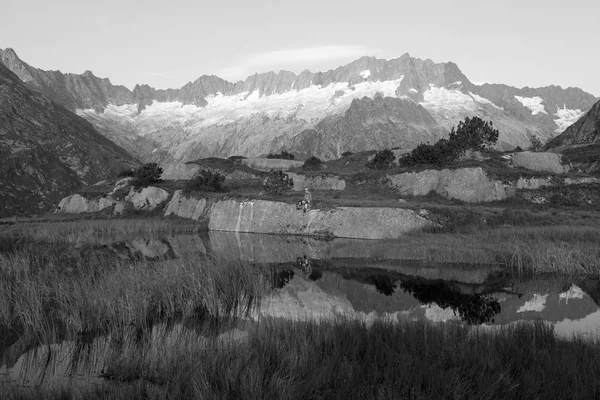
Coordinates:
[536,144]
[312,163]
[284,155]
[383,159]
[147,174]
[206,180]
[278,182]
[471,134]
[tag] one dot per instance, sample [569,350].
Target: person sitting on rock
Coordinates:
[307,202]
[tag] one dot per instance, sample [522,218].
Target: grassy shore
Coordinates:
[350,360]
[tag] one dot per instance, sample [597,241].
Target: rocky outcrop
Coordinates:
[261,216]
[268,164]
[148,198]
[77,204]
[185,207]
[542,162]
[470,185]
[318,182]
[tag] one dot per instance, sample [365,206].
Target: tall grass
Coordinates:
[86,230]
[103,293]
[350,360]
[570,250]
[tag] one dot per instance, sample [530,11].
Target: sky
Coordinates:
[169,43]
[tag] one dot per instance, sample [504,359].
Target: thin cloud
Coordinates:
[158,74]
[298,58]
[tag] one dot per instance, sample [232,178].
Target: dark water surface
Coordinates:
[324,280]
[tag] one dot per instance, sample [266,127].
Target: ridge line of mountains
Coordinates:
[367,104]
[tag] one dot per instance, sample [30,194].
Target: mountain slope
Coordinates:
[585,131]
[273,111]
[47,151]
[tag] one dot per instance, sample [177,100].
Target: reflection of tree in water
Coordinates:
[281,277]
[472,308]
[383,283]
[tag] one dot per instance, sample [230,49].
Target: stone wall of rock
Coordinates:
[261,216]
[470,185]
[542,162]
[267,164]
[185,207]
[319,182]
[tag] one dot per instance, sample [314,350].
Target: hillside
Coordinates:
[47,151]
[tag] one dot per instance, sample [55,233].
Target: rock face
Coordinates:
[261,216]
[470,185]
[319,182]
[46,151]
[185,207]
[148,198]
[268,164]
[543,162]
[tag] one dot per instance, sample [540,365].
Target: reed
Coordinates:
[344,359]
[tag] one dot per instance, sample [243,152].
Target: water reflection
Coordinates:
[322,280]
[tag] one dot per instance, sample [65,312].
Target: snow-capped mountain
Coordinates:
[368,104]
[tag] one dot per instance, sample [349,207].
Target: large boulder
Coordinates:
[319,182]
[262,216]
[470,185]
[268,164]
[185,207]
[77,204]
[148,198]
[542,162]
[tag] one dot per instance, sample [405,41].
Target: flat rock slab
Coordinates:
[260,216]
[542,162]
[268,164]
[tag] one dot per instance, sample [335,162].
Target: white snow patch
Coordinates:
[537,304]
[456,83]
[480,83]
[566,118]
[483,100]
[314,102]
[533,103]
[413,90]
[574,292]
[366,73]
[447,101]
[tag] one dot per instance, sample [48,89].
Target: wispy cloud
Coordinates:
[291,58]
[158,74]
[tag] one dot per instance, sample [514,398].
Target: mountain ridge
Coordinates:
[269,112]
